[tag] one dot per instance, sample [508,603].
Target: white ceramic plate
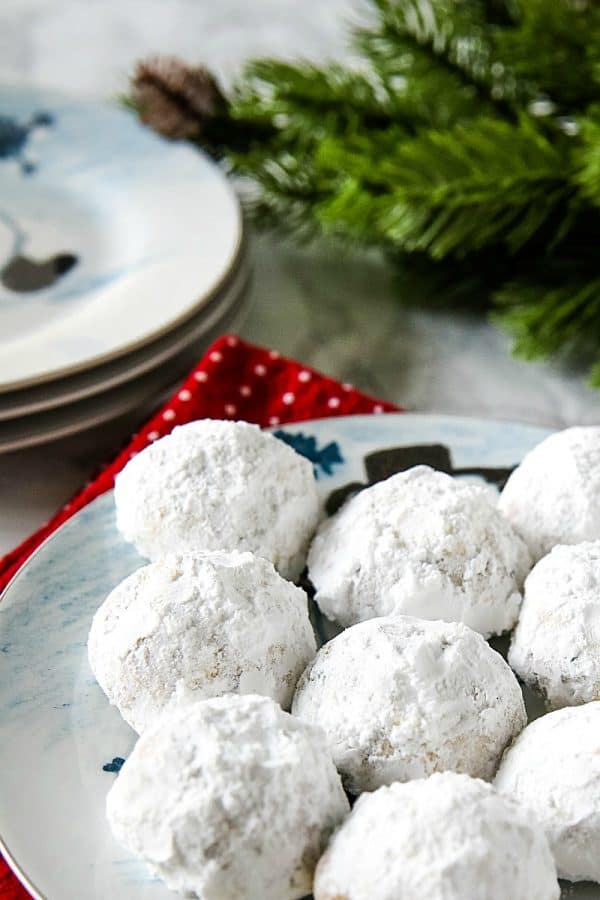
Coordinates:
[98,379]
[57,731]
[109,235]
[142,394]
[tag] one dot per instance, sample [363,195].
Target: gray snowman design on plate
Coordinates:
[20,273]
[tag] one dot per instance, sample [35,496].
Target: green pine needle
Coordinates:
[447,193]
[554,50]
[587,158]
[559,319]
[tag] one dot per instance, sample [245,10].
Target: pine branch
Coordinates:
[435,49]
[435,92]
[454,32]
[281,189]
[535,55]
[554,47]
[547,320]
[292,97]
[587,158]
[452,192]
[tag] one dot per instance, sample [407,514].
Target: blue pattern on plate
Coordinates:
[115,765]
[15,135]
[323,458]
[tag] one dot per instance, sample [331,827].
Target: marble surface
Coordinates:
[342,315]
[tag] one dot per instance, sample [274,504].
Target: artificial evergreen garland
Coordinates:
[465,144]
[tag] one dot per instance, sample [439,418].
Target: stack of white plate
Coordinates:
[121,258]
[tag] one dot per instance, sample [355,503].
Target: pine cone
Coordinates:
[177,100]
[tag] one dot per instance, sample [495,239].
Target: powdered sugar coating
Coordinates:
[447,837]
[200,625]
[553,497]
[229,798]
[554,768]
[216,485]
[401,698]
[555,647]
[421,544]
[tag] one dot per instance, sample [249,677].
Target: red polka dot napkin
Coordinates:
[234,380]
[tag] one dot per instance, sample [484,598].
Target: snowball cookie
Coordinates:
[554,768]
[421,544]
[229,798]
[447,837]
[553,497]
[555,647]
[202,625]
[401,698]
[214,485]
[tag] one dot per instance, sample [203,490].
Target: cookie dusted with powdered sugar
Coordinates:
[229,798]
[200,625]
[401,698]
[554,769]
[553,497]
[448,837]
[555,647]
[420,544]
[214,485]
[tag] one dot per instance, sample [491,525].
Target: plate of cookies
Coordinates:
[353,658]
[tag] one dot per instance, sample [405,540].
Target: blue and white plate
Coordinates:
[61,743]
[110,236]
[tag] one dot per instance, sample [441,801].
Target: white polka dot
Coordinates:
[245,390]
[216,356]
[132,454]
[333,402]
[230,409]
[347,386]
[153,435]
[273,354]
[168,415]
[232,341]
[378,408]
[185,394]
[200,376]
[288,398]
[67,507]
[274,420]
[304,376]
[260,369]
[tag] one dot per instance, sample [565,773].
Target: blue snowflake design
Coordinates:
[115,765]
[322,458]
[14,136]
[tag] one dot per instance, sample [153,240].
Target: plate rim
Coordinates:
[13,864]
[224,300]
[127,405]
[19,873]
